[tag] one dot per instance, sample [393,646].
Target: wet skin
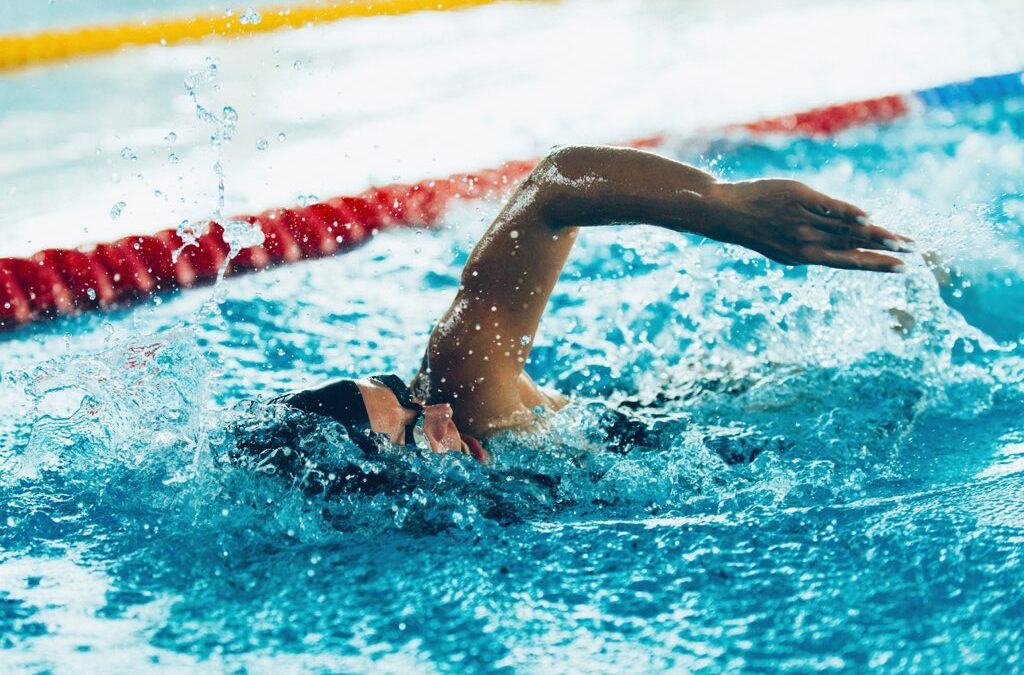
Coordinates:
[476,354]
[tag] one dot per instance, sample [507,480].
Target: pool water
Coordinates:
[879,524]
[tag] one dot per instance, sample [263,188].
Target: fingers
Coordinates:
[847,242]
[822,204]
[862,230]
[834,215]
[853,260]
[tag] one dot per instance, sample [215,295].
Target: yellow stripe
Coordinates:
[17,51]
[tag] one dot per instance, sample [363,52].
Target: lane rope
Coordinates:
[832,119]
[30,49]
[67,281]
[57,282]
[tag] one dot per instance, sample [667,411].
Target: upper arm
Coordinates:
[477,351]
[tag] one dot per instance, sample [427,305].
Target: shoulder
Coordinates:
[530,399]
[532,395]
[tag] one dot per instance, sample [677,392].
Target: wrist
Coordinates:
[718,207]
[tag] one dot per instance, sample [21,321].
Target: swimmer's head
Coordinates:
[388,416]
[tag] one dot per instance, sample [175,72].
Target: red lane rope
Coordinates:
[55,282]
[834,118]
[65,281]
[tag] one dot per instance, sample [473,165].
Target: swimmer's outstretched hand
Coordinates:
[793,224]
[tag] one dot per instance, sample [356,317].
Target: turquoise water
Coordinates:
[879,525]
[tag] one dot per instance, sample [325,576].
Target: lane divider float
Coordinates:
[67,281]
[57,282]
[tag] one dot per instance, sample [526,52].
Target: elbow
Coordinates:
[565,165]
[561,183]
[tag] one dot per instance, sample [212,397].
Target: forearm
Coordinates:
[586,185]
[782,219]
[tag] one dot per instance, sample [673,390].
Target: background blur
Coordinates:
[100,147]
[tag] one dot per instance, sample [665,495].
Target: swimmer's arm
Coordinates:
[784,220]
[477,352]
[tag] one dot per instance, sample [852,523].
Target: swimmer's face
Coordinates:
[440,430]
[387,416]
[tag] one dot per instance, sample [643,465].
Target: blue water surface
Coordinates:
[879,525]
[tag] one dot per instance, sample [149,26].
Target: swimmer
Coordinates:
[472,383]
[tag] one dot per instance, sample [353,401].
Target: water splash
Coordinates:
[237,234]
[88,409]
[800,455]
[251,17]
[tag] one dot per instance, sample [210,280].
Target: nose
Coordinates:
[440,430]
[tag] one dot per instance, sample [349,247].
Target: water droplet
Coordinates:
[230,114]
[239,234]
[171,137]
[525,339]
[91,293]
[116,210]
[173,158]
[297,65]
[250,17]
[281,136]
[262,144]
[129,154]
